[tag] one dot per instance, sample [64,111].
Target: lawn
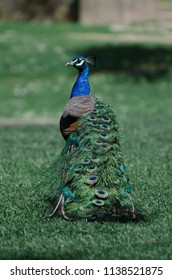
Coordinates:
[34,85]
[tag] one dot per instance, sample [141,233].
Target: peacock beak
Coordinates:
[69,63]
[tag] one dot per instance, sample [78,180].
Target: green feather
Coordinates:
[91,170]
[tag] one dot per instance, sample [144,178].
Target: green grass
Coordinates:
[34,83]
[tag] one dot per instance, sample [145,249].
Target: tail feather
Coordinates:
[92,179]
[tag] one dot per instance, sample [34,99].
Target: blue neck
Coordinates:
[81,86]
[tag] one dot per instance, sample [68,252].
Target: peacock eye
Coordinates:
[79,62]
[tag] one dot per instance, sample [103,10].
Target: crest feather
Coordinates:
[91,60]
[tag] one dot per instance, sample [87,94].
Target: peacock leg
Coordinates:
[62,209]
[56,208]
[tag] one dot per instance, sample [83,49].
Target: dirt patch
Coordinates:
[126,37]
[24,122]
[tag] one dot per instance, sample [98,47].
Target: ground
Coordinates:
[134,76]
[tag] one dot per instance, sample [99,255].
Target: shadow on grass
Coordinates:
[138,217]
[151,62]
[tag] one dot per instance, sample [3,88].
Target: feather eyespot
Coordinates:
[104,136]
[91,169]
[95,111]
[98,202]
[95,159]
[101,194]
[104,127]
[92,180]
[106,119]
[106,147]
[88,149]
[92,118]
[99,142]
[78,168]
[85,161]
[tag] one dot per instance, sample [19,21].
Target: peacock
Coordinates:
[89,176]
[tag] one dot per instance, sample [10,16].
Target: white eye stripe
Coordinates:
[80,63]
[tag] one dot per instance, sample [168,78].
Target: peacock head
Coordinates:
[80,62]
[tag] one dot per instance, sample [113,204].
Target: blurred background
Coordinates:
[115,11]
[132,40]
